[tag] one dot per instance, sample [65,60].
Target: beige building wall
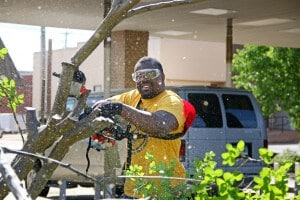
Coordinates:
[188,62]
[92,67]
[185,62]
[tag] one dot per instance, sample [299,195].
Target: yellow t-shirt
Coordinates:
[162,150]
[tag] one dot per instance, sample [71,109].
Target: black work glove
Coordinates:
[79,77]
[110,109]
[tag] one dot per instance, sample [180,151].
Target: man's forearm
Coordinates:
[151,123]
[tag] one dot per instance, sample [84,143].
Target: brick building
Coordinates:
[23,85]
[23,82]
[24,88]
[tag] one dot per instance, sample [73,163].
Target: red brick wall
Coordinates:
[26,90]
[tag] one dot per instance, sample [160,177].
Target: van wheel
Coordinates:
[32,174]
[119,190]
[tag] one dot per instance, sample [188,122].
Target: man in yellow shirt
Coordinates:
[155,113]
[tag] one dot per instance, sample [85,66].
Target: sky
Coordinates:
[23,40]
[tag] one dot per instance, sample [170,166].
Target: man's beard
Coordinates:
[156,90]
[148,96]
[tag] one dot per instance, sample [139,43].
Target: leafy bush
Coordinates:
[287,156]
[9,95]
[8,90]
[211,183]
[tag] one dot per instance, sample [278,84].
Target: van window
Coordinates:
[239,111]
[70,103]
[208,110]
[91,100]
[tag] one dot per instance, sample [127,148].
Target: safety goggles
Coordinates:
[147,74]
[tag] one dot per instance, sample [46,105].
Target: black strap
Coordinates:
[87,155]
[129,140]
[169,136]
[129,147]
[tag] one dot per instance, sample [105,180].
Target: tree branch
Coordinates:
[49,160]
[12,179]
[118,12]
[73,134]
[80,104]
[63,90]
[159,5]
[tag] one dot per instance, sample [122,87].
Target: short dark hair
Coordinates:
[148,61]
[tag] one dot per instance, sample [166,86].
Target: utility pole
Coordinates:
[43,71]
[49,75]
[229,47]
[107,46]
[111,154]
[66,39]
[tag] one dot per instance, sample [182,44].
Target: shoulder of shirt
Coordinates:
[171,93]
[133,92]
[129,94]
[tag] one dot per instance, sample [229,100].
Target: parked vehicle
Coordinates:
[8,123]
[224,115]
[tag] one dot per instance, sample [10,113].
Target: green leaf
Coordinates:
[149,156]
[21,98]
[241,145]
[266,155]
[229,147]
[218,172]
[12,83]
[227,176]
[3,52]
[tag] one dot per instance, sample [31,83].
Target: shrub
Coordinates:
[215,184]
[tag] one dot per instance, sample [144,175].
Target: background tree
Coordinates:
[63,128]
[273,75]
[9,96]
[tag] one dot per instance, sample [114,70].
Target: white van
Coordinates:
[224,115]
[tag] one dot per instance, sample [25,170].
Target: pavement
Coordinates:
[78,193]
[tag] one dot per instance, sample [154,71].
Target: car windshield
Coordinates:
[91,100]
[70,103]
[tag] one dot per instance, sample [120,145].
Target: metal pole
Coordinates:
[111,155]
[106,90]
[228,53]
[43,69]
[107,46]
[297,171]
[49,75]
[62,192]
